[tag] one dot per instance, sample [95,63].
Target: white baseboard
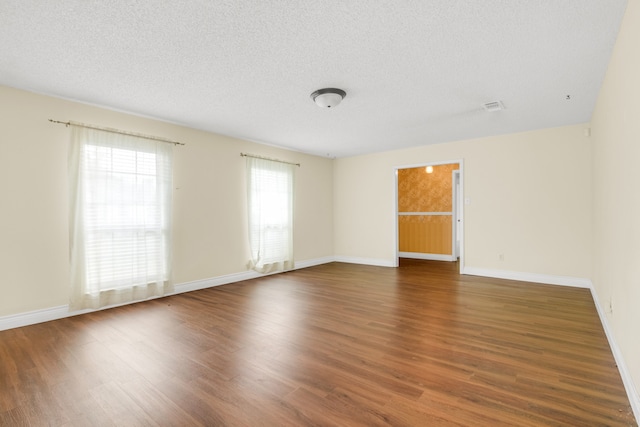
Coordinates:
[627,380]
[62,311]
[314,262]
[196,285]
[432,257]
[577,282]
[366,261]
[33,317]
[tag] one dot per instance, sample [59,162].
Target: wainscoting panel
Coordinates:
[430,234]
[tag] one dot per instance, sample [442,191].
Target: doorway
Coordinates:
[429,217]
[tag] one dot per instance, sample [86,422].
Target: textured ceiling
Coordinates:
[416,72]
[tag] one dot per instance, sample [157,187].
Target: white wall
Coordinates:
[209,200]
[616,192]
[530,199]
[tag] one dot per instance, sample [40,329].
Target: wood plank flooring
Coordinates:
[332,345]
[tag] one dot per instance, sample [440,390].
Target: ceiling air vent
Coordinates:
[493,106]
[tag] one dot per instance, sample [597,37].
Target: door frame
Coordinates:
[456,212]
[460,162]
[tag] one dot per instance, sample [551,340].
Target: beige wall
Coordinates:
[209,200]
[527,191]
[616,138]
[529,194]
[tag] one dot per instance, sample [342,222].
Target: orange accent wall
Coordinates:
[419,191]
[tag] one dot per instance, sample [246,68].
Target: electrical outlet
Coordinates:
[501,257]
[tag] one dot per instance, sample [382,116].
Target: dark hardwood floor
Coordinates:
[332,345]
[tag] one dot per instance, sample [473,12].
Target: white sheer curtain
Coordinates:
[270,210]
[120,218]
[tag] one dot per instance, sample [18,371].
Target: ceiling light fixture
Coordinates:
[329,97]
[429,169]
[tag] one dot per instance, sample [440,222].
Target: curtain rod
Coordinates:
[268,158]
[121,132]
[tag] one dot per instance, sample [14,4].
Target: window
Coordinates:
[120,218]
[270,206]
